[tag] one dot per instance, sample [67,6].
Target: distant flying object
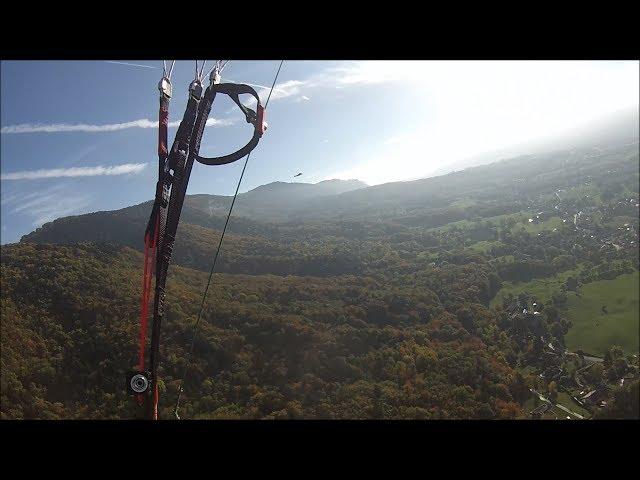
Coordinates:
[297,175]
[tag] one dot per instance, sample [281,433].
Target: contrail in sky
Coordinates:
[74,172]
[81,127]
[253,85]
[131,64]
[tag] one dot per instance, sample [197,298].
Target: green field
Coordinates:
[549,224]
[565,400]
[556,413]
[464,203]
[594,332]
[580,192]
[495,221]
[484,246]
[540,288]
[461,224]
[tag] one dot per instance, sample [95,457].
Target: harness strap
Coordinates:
[255,118]
[177,162]
[163,123]
[155,226]
[163,223]
[150,243]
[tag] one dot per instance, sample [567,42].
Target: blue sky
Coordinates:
[80,136]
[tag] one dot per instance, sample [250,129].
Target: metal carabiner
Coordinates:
[214,76]
[164,86]
[195,89]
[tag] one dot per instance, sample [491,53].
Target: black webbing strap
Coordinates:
[177,162]
[233,91]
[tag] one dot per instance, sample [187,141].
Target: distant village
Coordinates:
[586,378]
[589,219]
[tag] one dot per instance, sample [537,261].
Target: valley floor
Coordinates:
[592,330]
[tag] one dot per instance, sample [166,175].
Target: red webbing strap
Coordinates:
[153,264]
[143,311]
[163,152]
[150,242]
[144,307]
[150,247]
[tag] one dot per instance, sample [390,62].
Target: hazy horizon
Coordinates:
[375,121]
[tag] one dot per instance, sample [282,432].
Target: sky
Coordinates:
[81,136]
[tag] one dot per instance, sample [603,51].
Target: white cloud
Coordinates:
[470,107]
[62,207]
[38,201]
[74,172]
[281,90]
[18,197]
[349,74]
[81,127]
[48,204]
[50,207]
[8,199]
[227,80]
[547,94]
[214,122]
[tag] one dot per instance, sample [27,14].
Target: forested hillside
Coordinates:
[478,294]
[270,346]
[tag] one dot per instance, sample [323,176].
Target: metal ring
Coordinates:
[139,383]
